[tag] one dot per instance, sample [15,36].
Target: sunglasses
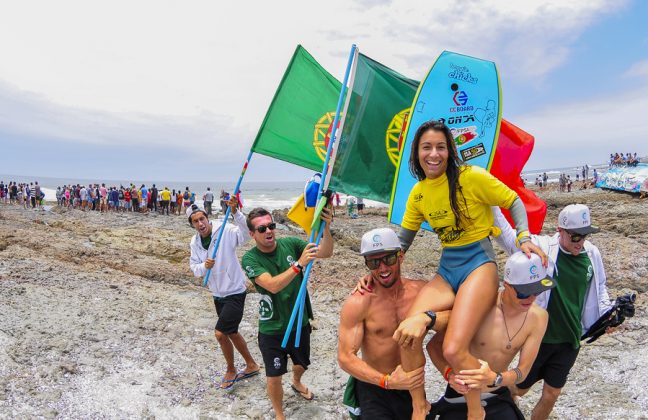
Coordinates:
[374,263]
[576,237]
[523,296]
[263,228]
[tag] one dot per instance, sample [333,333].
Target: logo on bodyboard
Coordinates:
[462,73]
[473,152]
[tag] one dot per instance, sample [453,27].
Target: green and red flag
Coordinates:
[369,146]
[296,126]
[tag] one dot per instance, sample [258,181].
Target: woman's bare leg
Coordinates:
[436,296]
[476,296]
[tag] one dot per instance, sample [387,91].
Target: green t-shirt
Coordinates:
[573,276]
[275,308]
[206,241]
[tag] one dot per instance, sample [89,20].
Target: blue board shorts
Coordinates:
[458,262]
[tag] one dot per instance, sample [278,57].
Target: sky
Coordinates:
[177,90]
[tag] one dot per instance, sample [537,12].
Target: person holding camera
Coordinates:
[578,301]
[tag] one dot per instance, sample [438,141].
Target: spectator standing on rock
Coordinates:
[360,204]
[154,198]
[227,283]
[208,198]
[166,199]
[143,201]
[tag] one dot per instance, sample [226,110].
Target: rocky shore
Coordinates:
[100,317]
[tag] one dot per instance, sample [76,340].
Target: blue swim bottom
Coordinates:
[458,262]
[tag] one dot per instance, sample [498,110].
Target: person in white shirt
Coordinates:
[227,283]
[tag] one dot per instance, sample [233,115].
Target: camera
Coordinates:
[623,308]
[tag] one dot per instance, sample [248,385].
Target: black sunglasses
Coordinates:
[374,263]
[576,237]
[263,228]
[523,296]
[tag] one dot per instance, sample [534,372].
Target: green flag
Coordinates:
[368,151]
[296,126]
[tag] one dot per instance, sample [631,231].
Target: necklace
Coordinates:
[510,339]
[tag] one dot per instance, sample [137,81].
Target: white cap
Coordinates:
[379,240]
[576,218]
[194,208]
[527,275]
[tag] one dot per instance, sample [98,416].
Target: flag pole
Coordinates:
[227,214]
[327,180]
[299,306]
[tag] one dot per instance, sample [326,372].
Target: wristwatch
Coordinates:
[432,316]
[498,380]
[298,265]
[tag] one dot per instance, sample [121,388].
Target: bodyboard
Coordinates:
[463,92]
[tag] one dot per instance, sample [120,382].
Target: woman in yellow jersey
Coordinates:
[455,199]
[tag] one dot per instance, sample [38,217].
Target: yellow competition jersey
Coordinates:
[430,200]
[166,195]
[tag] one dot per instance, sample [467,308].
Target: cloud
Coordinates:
[197,77]
[25,114]
[528,39]
[160,57]
[588,131]
[639,70]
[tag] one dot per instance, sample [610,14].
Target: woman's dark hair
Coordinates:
[452,170]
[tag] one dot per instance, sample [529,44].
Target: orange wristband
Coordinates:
[383,381]
[446,375]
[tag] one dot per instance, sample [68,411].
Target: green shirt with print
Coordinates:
[275,308]
[573,276]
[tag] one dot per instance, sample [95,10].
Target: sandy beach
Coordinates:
[100,317]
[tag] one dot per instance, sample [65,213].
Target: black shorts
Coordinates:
[275,358]
[378,403]
[500,406]
[553,363]
[230,312]
[360,207]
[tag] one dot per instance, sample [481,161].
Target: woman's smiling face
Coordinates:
[433,153]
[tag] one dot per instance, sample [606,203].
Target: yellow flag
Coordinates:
[302,215]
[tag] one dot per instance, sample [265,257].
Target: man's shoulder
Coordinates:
[590,247]
[413,284]
[538,314]
[251,253]
[291,241]
[194,240]
[356,305]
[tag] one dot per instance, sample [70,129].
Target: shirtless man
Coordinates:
[514,325]
[368,322]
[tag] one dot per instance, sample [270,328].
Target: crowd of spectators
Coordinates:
[96,197]
[24,194]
